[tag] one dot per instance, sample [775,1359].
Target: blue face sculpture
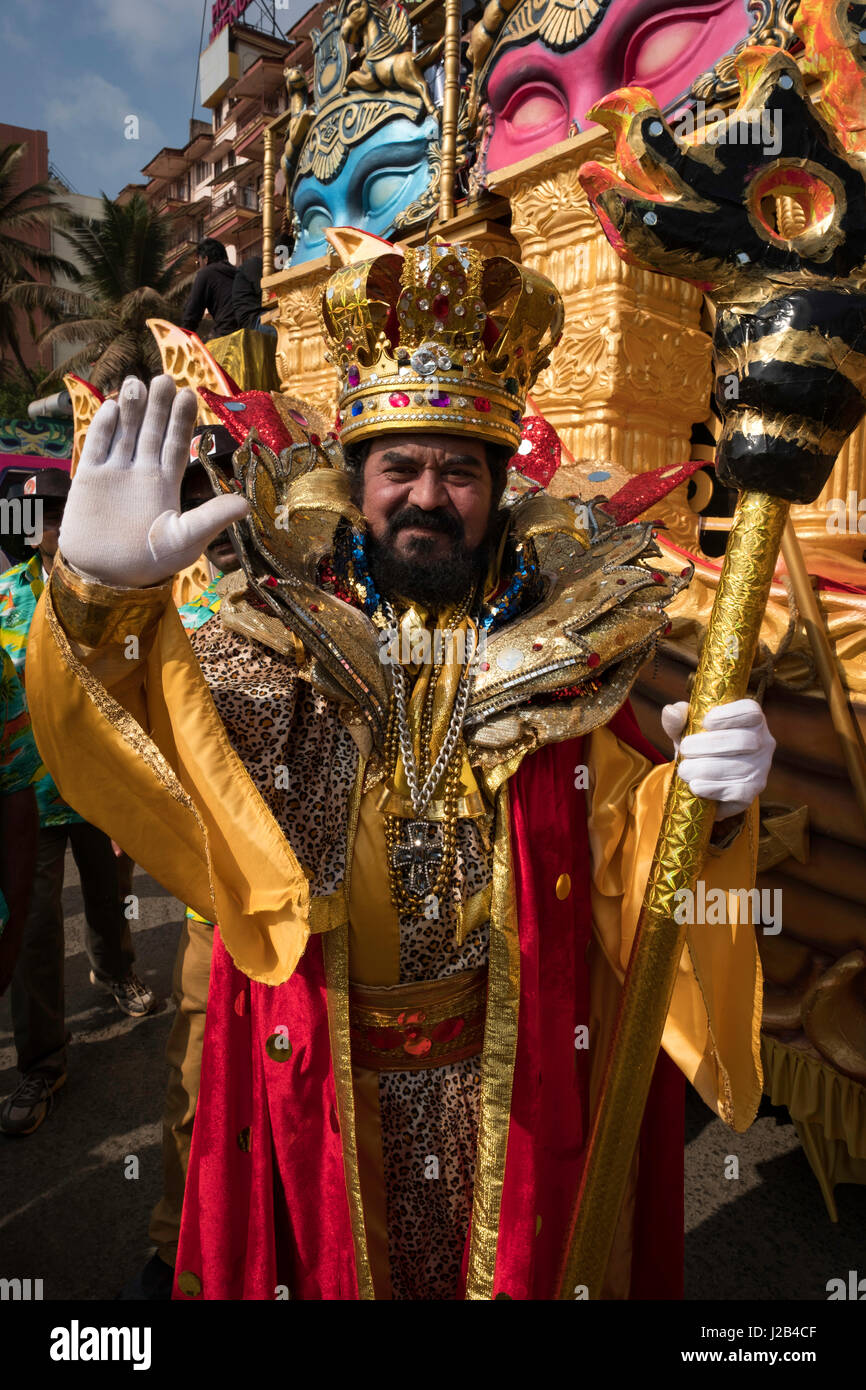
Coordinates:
[364,154]
[381,177]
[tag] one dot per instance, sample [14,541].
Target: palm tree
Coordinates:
[123,282]
[23,210]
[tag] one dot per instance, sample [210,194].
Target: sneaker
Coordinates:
[153,1283]
[131,995]
[30,1103]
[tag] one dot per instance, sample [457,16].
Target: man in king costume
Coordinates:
[398,768]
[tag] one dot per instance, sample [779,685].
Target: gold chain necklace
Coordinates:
[413,853]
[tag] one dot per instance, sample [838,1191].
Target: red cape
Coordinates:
[266,1201]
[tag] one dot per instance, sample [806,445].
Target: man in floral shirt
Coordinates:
[37,993]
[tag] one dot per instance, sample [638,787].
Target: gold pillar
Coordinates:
[450,107]
[632,373]
[268,205]
[848,476]
[296,295]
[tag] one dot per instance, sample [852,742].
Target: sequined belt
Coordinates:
[410,1027]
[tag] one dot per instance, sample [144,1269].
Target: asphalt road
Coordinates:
[70,1216]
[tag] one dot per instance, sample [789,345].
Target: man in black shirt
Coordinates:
[247,296]
[212,289]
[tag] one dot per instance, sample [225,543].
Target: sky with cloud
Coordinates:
[79,70]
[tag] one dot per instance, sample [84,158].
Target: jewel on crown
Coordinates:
[440,339]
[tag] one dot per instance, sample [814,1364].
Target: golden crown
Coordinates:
[440,339]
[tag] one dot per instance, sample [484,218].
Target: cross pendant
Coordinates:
[417,856]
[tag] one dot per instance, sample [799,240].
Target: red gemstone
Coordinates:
[668,629]
[620,581]
[684,574]
[314,608]
[536,646]
[658,577]
[593,659]
[448,1030]
[398,398]
[348,345]
[271,581]
[518,352]
[441,306]
[485,665]
[481,403]
[315,440]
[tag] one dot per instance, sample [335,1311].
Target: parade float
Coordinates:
[412,123]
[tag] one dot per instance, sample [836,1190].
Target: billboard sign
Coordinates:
[225,12]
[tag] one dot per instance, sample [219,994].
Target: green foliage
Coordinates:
[23,210]
[17,391]
[123,283]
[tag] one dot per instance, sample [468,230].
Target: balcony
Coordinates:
[265,75]
[179,250]
[168,204]
[232,205]
[251,135]
[168,164]
[224,140]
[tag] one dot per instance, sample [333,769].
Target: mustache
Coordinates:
[436,520]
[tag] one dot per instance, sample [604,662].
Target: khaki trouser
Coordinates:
[183,1055]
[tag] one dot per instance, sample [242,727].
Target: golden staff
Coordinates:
[790,351]
[722,675]
[450,110]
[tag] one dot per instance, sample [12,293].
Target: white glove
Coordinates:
[122,524]
[729,760]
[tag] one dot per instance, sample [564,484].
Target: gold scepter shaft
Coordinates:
[722,676]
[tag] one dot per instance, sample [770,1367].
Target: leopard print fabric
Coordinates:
[429,1138]
[430,1118]
[292,743]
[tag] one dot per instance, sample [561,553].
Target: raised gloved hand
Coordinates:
[122,524]
[729,760]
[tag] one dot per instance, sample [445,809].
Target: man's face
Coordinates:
[196,490]
[427,500]
[52,516]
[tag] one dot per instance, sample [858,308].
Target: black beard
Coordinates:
[434,580]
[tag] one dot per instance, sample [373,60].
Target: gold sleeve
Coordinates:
[713,1026]
[134,742]
[110,630]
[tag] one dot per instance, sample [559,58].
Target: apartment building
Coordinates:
[212,185]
